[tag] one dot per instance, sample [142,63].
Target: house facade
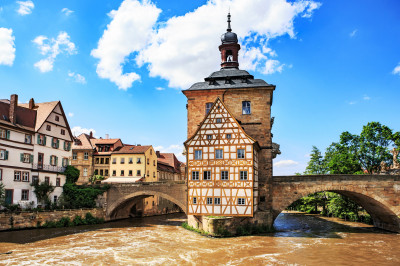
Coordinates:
[82,157]
[36,148]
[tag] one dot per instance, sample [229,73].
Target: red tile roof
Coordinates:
[82,142]
[131,149]
[104,141]
[25,117]
[171,160]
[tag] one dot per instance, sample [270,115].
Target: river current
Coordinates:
[300,239]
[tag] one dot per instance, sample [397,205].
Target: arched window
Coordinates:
[229,56]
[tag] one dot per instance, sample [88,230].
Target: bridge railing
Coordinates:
[299,178]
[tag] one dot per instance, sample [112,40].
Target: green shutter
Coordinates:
[50,159]
[21,157]
[65,146]
[44,140]
[56,160]
[8,134]
[58,143]
[31,159]
[69,146]
[6,155]
[38,139]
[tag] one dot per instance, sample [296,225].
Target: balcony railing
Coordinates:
[47,167]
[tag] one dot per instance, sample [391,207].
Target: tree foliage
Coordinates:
[94,178]
[71,174]
[316,165]
[42,191]
[2,194]
[76,197]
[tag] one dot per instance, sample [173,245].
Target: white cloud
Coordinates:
[353,33]
[160,88]
[396,70]
[25,7]
[184,49]
[51,48]
[77,77]
[70,114]
[129,31]
[177,149]
[7,47]
[352,102]
[285,163]
[76,131]
[67,11]
[366,98]
[272,66]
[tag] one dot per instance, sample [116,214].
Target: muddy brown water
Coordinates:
[300,239]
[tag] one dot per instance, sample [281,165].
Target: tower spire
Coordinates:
[229,29]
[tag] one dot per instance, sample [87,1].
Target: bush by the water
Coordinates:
[78,220]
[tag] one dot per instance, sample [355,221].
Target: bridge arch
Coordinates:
[127,201]
[382,210]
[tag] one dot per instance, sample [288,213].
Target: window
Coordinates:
[25,157]
[58,182]
[25,176]
[122,160]
[86,156]
[114,173]
[139,160]
[64,162]
[195,175]
[219,154]
[41,139]
[57,118]
[24,194]
[102,160]
[74,156]
[101,171]
[148,173]
[209,137]
[148,161]
[3,155]
[217,201]
[154,174]
[130,161]
[208,107]
[209,201]
[241,201]
[194,200]
[207,175]
[35,179]
[154,162]
[100,148]
[107,148]
[107,160]
[47,180]
[97,160]
[28,139]
[151,152]
[17,175]
[62,131]
[4,134]
[53,160]
[96,172]
[219,120]
[240,153]
[246,110]
[67,145]
[198,155]
[122,172]
[228,136]
[55,198]
[84,171]
[130,173]
[1,174]
[224,175]
[114,160]
[54,143]
[243,175]
[48,128]
[106,172]
[138,173]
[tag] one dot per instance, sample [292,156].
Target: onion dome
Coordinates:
[229,36]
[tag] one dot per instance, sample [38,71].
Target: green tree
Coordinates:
[71,174]
[316,165]
[42,192]
[94,178]
[2,194]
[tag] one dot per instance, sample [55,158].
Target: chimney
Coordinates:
[158,154]
[91,135]
[107,136]
[13,108]
[31,103]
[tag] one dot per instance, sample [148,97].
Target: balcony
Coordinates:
[47,167]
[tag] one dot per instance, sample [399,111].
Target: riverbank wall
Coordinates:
[25,219]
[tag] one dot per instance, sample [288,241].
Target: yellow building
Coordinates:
[82,157]
[102,155]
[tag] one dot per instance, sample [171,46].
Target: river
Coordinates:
[300,239]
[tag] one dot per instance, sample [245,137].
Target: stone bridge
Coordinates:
[121,197]
[379,195]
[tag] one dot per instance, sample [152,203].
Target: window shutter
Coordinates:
[38,139]
[44,140]
[65,146]
[69,146]
[56,160]
[31,161]
[6,155]
[58,143]
[8,134]
[21,157]
[50,158]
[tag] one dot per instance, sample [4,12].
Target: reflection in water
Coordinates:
[300,239]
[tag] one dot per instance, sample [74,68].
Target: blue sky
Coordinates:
[118,67]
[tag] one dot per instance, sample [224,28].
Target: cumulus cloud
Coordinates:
[353,33]
[177,149]
[51,48]
[25,7]
[76,131]
[396,70]
[184,49]
[70,114]
[66,11]
[285,163]
[7,47]
[129,31]
[77,77]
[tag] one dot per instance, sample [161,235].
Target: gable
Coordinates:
[216,125]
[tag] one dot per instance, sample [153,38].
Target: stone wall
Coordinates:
[31,219]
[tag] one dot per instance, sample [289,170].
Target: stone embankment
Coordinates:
[25,219]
